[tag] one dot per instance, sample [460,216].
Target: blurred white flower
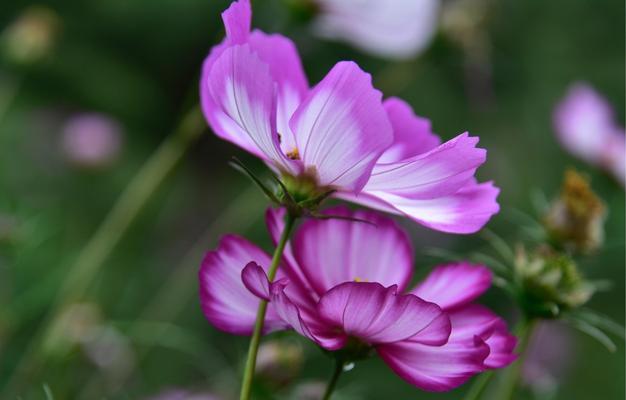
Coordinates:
[91,139]
[388,28]
[585,125]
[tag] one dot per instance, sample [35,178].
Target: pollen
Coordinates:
[293,154]
[357,279]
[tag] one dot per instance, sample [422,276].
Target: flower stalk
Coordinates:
[248,375]
[332,383]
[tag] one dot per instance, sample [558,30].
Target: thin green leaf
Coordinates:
[447,255]
[601,321]
[498,244]
[490,262]
[593,332]
[239,166]
[48,392]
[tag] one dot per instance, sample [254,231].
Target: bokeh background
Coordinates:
[128,70]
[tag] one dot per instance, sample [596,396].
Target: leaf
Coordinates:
[239,166]
[490,262]
[48,392]
[593,332]
[447,255]
[601,321]
[498,244]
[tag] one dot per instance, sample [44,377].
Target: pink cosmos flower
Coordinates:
[586,126]
[344,285]
[339,134]
[389,28]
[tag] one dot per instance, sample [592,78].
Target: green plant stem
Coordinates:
[511,375]
[82,273]
[248,374]
[478,386]
[332,383]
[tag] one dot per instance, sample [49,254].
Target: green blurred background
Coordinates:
[138,329]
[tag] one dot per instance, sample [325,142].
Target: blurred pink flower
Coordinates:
[339,135]
[389,28]
[91,139]
[586,126]
[341,285]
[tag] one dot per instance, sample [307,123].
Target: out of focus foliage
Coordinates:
[139,329]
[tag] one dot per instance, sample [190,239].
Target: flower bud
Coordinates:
[550,282]
[576,218]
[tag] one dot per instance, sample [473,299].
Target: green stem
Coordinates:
[116,223]
[332,383]
[479,386]
[511,376]
[248,375]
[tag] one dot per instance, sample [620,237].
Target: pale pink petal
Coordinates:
[389,28]
[465,211]
[440,172]
[376,314]
[333,251]
[341,128]
[240,103]
[584,121]
[226,302]
[433,368]
[286,68]
[454,285]
[412,134]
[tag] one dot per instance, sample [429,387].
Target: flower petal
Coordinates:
[440,172]
[433,368]
[392,28]
[454,285]
[412,134]
[255,280]
[334,251]
[237,19]
[465,211]
[341,128]
[226,302]
[239,100]
[286,69]
[376,314]
[476,324]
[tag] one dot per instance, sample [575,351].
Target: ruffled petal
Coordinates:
[475,325]
[454,285]
[376,314]
[334,251]
[433,368]
[341,128]
[237,19]
[225,301]
[439,172]
[465,211]
[412,134]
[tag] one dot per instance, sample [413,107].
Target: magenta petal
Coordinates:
[237,19]
[376,314]
[226,302]
[334,251]
[466,211]
[440,172]
[454,285]
[412,134]
[476,324]
[341,128]
[255,280]
[434,368]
